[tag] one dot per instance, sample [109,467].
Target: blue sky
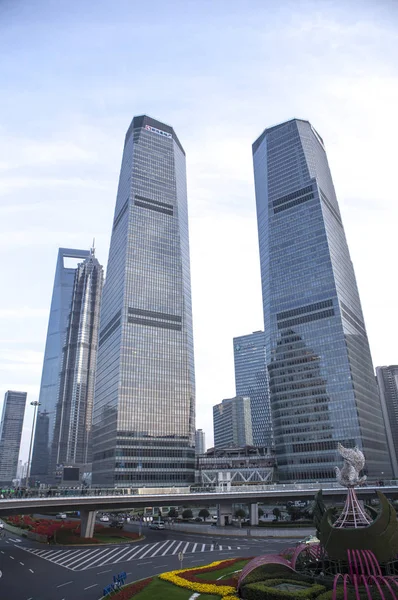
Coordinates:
[72,76]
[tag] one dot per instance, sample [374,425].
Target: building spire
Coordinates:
[92,249]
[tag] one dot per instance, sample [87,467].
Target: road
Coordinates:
[31,571]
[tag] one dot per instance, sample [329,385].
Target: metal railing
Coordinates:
[6,494]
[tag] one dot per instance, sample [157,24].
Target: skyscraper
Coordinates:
[144,406]
[72,436]
[200,441]
[387,380]
[322,386]
[232,423]
[251,379]
[10,434]
[59,313]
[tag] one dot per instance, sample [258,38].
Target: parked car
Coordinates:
[104,519]
[61,516]
[157,525]
[116,524]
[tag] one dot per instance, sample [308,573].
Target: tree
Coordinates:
[295,513]
[277,513]
[240,514]
[204,513]
[173,513]
[187,513]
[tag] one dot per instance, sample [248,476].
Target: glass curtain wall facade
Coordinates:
[232,423]
[251,379]
[200,441]
[387,380]
[322,387]
[144,406]
[10,434]
[59,314]
[72,437]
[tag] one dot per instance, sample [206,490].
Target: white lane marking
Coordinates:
[203,547]
[168,548]
[82,558]
[1,574]
[90,586]
[137,551]
[219,547]
[159,549]
[12,557]
[97,559]
[194,547]
[23,564]
[176,548]
[107,571]
[212,547]
[185,547]
[115,553]
[149,549]
[31,571]
[145,563]
[238,548]
[62,584]
[2,551]
[159,566]
[132,551]
[63,559]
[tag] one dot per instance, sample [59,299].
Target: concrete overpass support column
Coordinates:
[254,514]
[87,523]
[224,514]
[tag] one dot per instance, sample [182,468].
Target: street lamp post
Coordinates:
[35,403]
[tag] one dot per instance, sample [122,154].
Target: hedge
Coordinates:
[351,594]
[263,591]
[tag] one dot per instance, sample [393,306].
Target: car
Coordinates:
[1,525]
[157,525]
[116,524]
[104,519]
[61,516]
[311,539]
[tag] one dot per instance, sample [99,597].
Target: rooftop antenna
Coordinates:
[92,249]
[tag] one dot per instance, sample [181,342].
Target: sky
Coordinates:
[73,75]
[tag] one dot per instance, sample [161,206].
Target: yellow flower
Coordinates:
[225,591]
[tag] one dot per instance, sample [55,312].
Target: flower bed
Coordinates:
[180,578]
[185,578]
[67,532]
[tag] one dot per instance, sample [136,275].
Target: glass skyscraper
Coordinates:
[251,379]
[200,441]
[144,406]
[387,380]
[67,261]
[10,434]
[232,423]
[72,436]
[322,387]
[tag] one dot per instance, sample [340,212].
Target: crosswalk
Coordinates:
[89,558]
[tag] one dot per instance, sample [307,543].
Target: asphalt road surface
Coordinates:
[33,571]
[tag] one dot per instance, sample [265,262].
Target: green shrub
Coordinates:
[272,571]
[351,594]
[265,590]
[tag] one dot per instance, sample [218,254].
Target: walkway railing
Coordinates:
[97,492]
